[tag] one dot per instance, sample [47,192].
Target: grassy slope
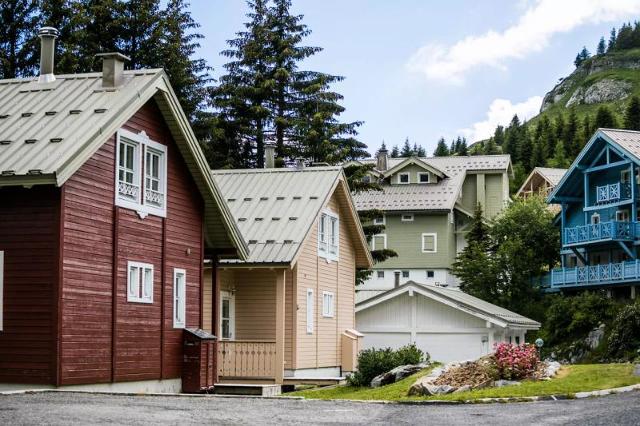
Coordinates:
[571,379]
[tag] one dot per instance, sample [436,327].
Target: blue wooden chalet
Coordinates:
[599,218]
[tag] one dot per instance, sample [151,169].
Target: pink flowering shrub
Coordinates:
[515,362]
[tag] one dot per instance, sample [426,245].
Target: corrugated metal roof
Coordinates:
[47,131]
[463,300]
[44,125]
[436,197]
[275,208]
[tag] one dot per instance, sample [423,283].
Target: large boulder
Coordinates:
[395,375]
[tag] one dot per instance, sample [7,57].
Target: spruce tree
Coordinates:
[395,152]
[587,131]
[512,139]
[525,148]
[441,149]
[602,47]
[71,19]
[464,150]
[498,136]
[537,156]
[103,31]
[18,38]
[406,149]
[421,152]
[140,32]
[632,114]
[611,45]
[559,159]
[605,118]
[572,147]
[490,147]
[624,40]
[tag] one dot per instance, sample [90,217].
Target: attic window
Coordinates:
[424,178]
[403,178]
[55,140]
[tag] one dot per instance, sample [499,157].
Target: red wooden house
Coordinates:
[107,207]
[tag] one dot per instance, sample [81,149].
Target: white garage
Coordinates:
[445,322]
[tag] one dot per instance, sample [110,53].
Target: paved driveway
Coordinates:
[88,409]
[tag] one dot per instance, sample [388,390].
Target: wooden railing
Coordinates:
[246,359]
[584,276]
[613,230]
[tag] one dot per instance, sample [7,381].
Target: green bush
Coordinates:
[623,343]
[373,362]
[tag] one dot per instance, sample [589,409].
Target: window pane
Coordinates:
[129,157]
[225,308]
[225,329]
[148,283]
[134,282]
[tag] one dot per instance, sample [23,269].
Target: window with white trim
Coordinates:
[380,274]
[424,178]
[405,274]
[379,220]
[406,218]
[379,242]
[310,305]
[179,298]
[139,282]
[328,236]
[403,178]
[327,304]
[1,289]
[622,215]
[139,156]
[429,243]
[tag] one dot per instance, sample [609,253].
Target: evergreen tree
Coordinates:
[559,159]
[463,150]
[570,137]
[140,32]
[406,149]
[452,148]
[490,147]
[537,156]
[525,148]
[103,31]
[602,47]
[559,127]
[421,152]
[441,149]
[415,149]
[395,152]
[71,19]
[605,118]
[624,40]
[587,130]
[632,114]
[498,136]
[581,57]
[512,139]
[18,38]
[611,45]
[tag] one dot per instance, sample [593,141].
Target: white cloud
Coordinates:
[530,34]
[500,112]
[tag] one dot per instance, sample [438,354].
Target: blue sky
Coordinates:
[425,69]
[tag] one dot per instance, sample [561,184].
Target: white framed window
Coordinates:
[379,242]
[227,315]
[622,215]
[138,156]
[310,314]
[139,282]
[329,236]
[625,176]
[179,298]
[429,243]
[430,274]
[424,177]
[327,304]
[405,274]
[595,218]
[379,220]
[1,290]
[406,218]
[403,178]
[380,274]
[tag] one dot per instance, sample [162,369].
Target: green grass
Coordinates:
[571,379]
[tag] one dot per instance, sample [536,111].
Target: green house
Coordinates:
[427,205]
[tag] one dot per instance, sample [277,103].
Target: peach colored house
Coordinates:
[286,314]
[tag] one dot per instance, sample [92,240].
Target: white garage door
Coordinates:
[453,347]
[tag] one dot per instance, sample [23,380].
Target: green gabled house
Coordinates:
[428,204]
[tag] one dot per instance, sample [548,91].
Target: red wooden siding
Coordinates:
[143,349]
[29,223]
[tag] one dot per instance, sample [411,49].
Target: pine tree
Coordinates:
[18,38]
[395,152]
[464,150]
[624,40]
[570,137]
[103,31]
[498,136]
[587,130]
[632,114]
[441,149]
[559,126]
[415,149]
[406,149]
[602,47]
[490,147]
[559,159]
[421,152]
[140,32]
[605,118]
[537,156]
[611,45]
[525,147]
[512,139]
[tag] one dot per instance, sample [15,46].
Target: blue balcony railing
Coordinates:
[613,193]
[604,231]
[594,275]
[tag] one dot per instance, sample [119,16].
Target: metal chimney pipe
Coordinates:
[269,156]
[112,68]
[48,37]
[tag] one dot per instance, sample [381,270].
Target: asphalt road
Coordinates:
[91,409]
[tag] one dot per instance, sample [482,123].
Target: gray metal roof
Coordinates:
[275,208]
[435,197]
[49,130]
[553,176]
[627,139]
[465,301]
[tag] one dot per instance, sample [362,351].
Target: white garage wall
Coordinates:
[432,314]
[392,314]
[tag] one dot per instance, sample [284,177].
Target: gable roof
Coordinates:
[624,142]
[456,299]
[48,131]
[551,175]
[276,208]
[438,197]
[413,160]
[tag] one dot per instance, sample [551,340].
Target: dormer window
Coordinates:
[403,178]
[424,178]
[146,196]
